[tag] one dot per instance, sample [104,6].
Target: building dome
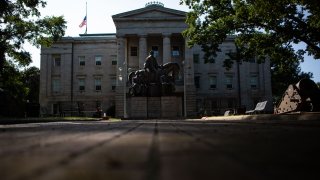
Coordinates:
[154,3]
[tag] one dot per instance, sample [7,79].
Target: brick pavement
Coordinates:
[160,150]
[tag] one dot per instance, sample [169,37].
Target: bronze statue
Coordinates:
[153,80]
[151,66]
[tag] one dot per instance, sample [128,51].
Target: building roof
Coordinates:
[150,12]
[98,35]
[90,37]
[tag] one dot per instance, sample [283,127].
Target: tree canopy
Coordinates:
[19,88]
[262,28]
[19,22]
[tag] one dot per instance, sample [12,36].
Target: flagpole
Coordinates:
[86,20]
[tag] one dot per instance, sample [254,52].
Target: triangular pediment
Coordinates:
[151,12]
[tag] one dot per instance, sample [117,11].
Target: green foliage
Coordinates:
[31,80]
[19,22]
[261,28]
[18,87]
[12,82]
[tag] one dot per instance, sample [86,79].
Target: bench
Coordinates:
[259,107]
[227,113]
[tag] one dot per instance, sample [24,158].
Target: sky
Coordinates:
[99,20]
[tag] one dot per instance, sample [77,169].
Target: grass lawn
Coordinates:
[11,120]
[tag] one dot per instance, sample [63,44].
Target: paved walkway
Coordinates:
[160,150]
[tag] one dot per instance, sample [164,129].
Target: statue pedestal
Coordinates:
[137,107]
[169,106]
[155,107]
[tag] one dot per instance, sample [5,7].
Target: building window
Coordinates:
[133,51]
[55,108]
[254,81]
[197,81]
[214,104]
[229,80]
[98,105]
[97,84]
[175,51]
[81,84]
[114,60]
[98,60]
[82,61]
[56,60]
[213,82]
[155,50]
[196,58]
[55,85]
[231,103]
[211,61]
[252,60]
[113,84]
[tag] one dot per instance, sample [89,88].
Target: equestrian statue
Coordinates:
[153,79]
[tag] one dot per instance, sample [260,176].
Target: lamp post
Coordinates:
[184,89]
[125,90]
[239,85]
[186,68]
[123,78]
[237,57]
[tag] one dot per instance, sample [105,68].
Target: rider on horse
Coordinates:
[153,75]
[151,66]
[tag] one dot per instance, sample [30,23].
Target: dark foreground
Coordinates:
[160,149]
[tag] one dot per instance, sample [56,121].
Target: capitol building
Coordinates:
[82,74]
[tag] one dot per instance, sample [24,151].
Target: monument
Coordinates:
[151,91]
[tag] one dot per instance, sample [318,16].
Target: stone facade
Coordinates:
[219,89]
[93,68]
[78,74]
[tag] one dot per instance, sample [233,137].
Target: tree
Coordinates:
[19,22]
[19,87]
[262,28]
[31,80]
[13,94]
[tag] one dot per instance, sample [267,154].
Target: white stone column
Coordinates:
[142,50]
[166,48]
[188,65]
[189,87]
[121,77]
[121,59]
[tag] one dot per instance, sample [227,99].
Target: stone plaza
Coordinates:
[248,147]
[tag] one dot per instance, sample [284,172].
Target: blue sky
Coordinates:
[99,21]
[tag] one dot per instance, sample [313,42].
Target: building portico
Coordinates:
[155,28]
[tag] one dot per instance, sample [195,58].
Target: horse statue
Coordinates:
[141,81]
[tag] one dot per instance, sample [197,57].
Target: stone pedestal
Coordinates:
[155,107]
[137,107]
[169,107]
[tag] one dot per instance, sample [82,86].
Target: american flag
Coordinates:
[84,22]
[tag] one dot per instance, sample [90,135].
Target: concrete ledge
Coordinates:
[267,117]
